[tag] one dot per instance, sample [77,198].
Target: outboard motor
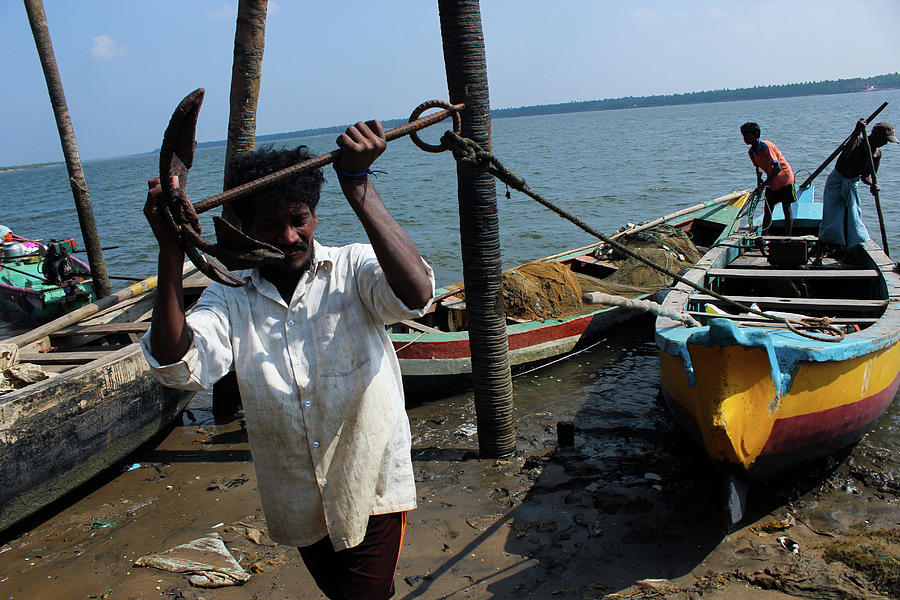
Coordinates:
[57,267]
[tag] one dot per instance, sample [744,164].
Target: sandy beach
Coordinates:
[629,511]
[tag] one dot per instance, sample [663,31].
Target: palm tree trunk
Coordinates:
[38,20]
[246,71]
[466,68]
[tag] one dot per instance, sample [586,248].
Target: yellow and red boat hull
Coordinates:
[735,412]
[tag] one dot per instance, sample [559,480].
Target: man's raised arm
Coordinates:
[169,334]
[398,256]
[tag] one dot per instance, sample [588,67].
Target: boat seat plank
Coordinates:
[796,273]
[593,260]
[78,357]
[419,327]
[745,261]
[756,318]
[104,328]
[829,304]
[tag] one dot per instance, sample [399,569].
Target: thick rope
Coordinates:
[642,305]
[467,151]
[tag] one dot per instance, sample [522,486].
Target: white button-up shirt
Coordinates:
[321,390]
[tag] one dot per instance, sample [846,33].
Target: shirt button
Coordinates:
[315,444]
[307,403]
[290,322]
[324,481]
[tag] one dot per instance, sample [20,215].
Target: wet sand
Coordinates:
[629,511]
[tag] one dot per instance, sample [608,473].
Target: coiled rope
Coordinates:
[466,151]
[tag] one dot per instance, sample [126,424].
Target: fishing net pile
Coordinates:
[663,245]
[540,290]
[544,290]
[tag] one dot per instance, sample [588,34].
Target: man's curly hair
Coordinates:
[304,187]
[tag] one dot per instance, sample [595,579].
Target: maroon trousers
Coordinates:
[365,571]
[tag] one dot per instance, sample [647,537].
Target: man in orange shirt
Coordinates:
[779,181]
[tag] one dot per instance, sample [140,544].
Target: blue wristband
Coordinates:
[360,175]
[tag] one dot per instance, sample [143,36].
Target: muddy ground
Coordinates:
[629,511]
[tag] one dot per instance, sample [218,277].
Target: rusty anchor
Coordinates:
[176,157]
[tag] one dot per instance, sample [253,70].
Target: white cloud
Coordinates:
[646,17]
[106,48]
[226,10]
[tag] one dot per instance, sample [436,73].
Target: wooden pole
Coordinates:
[464,59]
[884,242]
[71,318]
[38,20]
[837,151]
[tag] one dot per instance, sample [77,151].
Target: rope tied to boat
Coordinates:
[823,324]
[468,152]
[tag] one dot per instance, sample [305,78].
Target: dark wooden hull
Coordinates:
[99,405]
[59,433]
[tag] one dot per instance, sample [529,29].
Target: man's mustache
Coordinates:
[298,247]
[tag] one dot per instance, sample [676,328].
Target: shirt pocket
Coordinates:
[352,359]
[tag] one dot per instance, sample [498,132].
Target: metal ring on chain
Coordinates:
[417,112]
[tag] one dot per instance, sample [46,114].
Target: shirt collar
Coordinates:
[323,259]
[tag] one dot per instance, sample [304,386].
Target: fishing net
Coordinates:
[540,290]
[544,290]
[663,245]
[15,375]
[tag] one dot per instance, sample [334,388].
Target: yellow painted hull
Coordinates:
[734,410]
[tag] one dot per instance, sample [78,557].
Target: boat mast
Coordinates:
[38,20]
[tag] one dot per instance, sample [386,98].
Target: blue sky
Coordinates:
[125,64]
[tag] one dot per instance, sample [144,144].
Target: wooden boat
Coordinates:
[434,350]
[99,404]
[43,281]
[759,397]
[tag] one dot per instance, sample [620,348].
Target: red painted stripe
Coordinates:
[819,427]
[424,349]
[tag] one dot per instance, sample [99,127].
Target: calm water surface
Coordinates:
[608,167]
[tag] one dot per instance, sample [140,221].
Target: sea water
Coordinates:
[607,167]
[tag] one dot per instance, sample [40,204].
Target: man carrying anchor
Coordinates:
[318,377]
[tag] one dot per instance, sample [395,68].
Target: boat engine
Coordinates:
[57,265]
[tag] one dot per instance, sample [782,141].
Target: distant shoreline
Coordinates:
[28,167]
[791,90]
[889,81]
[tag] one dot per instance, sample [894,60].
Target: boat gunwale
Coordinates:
[880,335]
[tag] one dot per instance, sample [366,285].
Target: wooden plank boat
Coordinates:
[43,281]
[759,397]
[434,350]
[99,404]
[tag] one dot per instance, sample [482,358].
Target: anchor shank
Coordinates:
[317,162]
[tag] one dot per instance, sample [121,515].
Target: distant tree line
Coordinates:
[759,92]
